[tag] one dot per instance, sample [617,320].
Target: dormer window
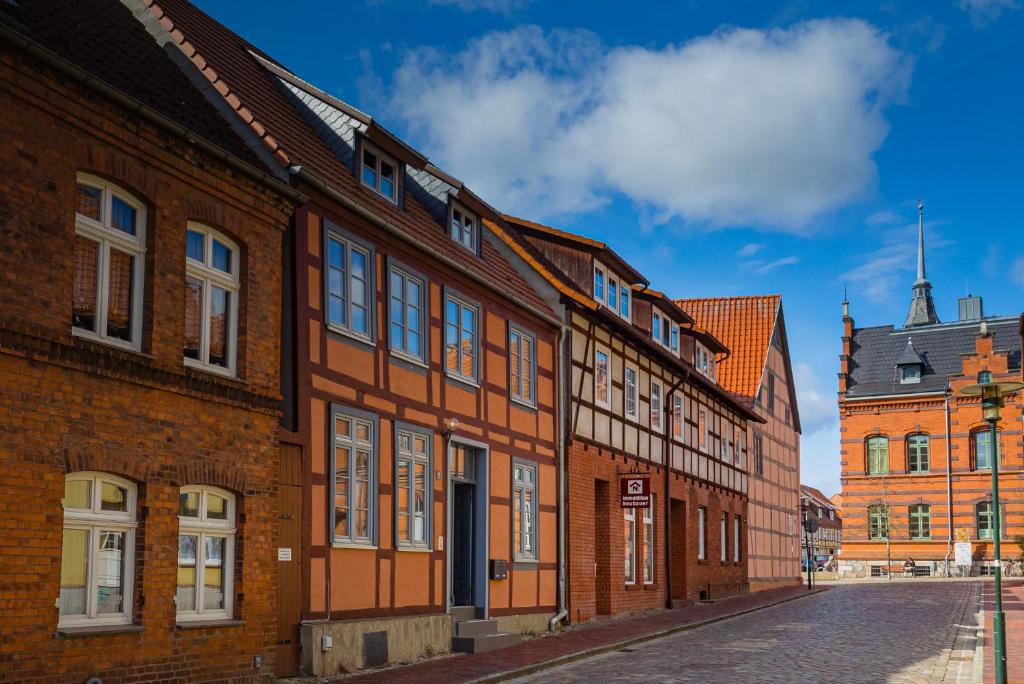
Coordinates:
[909,365]
[656,327]
[674,343]
[624,302]
[379,172]
[610,291]
[705,362]
[465,228]
[910,375]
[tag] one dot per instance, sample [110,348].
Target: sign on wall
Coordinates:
[962,553]
[635,490]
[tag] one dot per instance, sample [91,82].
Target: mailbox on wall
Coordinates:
[499,569]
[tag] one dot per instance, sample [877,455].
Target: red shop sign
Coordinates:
[635,490]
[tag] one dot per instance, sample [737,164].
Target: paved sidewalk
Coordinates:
[1013,607]
[576,642]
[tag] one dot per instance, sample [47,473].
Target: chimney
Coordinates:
[971,308]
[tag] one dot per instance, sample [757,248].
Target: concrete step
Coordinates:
[460,613]
[471,628]
[485,643]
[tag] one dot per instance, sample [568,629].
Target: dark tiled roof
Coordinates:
[103,39]
[298,124]
[875,353]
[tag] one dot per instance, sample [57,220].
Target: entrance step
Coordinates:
[460,613]
[472,628]
[484,643]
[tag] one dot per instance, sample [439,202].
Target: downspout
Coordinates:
[669,413]
[949,484]
[563,604]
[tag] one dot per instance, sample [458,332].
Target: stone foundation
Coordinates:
[358,644]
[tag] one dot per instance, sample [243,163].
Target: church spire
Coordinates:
[922,308]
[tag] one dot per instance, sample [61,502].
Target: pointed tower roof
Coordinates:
[922,308]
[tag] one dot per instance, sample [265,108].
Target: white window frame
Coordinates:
[648,523]
[607,401]
[724,536]
[702,537]
[413,458]
[624,302]
[230,283]
[674,344]
[106,236]
[656,322]
[631,392]
[518,338]
[704,429]
[354,416]
[203,527]
[349,245]
[629,547]
[678,417]
[599,271]
[462,304]
[657,410]
[613,288]
[520,486]
[737,528]
[399,347]
[458,231]
[94,520]
[365,147]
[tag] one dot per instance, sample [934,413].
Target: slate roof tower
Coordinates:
[922,308]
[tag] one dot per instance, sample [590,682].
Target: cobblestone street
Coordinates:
[903,632]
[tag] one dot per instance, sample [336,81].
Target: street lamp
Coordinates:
[991,394]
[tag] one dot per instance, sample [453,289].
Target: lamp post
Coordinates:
[991,394]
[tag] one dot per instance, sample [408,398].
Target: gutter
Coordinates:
[908,395]
[350,204]
[152,116]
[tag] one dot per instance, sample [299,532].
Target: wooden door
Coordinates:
[289,571]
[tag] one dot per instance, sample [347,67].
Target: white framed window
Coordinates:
[109,264]
[524,513]
[211,300]
[613,294]
[702,429]
[678,418]
[656,327]
[631,391]
[702,358]
[602,390]
[728,437]
[723,536]
[674,342]
[648,518]
[702,540]
[629,544]
[465,228]
[379,172]
[348,285]
[407,305]
[461,338]
[599,277]
[656,408]
[413,485]
[522,349]
[737,528]
[741,449]
[610,291]
[624,302]
[354,475]
[97,551]
[206,553]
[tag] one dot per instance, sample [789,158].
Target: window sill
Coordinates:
[409,362]
[98,630]
[467,383]
[354,545]
[404,549]
[524,405]
[217,371]
[90,339]
[703,562]
[346,335]
[208,624]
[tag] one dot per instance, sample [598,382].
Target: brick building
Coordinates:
[759,370]
[915,453]
[419,425]
[641,395]
[139,361]
[827,539]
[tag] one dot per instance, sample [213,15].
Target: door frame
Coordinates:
[481,522]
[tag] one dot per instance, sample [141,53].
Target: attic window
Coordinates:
[464,228]
[609,291]
[910,375]
[984,377]
[379,173]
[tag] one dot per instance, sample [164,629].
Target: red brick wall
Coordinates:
[596,537]
[69,405]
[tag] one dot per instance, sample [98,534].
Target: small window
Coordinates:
[379,173]
[984,377]
[656,327]
[985,520]
[981,444]
[910,374]
[631,391]
[656,410]
[674,344]
[349,286]
[524,501]
[917,453]
[613,292]
[206,549]
[702,429]
[678,418]
[702,522]
[465,228]
[601,397]
[354,478]
[629,544]
[758,454]
[407,294]
[878,522]
[97,551]
[737,528]
[211,300]
[624,302]
[723,536]
[920,521]
[414,488]
[878,455]
[522,366]
[771,393]
[599,283]
[109,264]
[648,517]
[461,338]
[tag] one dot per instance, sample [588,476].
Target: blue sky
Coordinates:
[723,148]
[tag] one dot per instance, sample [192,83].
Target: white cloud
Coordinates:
[1017,271]
[749,249]
[766,268]
[770,128]
[985,11]
[499,6]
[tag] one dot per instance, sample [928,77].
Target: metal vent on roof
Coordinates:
[971,308]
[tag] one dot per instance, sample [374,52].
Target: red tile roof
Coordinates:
[227,61]
[744,325]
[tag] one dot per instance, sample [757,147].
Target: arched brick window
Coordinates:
[877,449]
[206,552]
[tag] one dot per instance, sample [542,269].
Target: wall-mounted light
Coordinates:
[451,425]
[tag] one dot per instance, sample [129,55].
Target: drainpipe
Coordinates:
[563,396]
[949,484]
[667,426]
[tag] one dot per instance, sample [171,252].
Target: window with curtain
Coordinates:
[211,299]
[206,549]
[878,455]
[413,488]
[354,477]
[522,366]
[524,504]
